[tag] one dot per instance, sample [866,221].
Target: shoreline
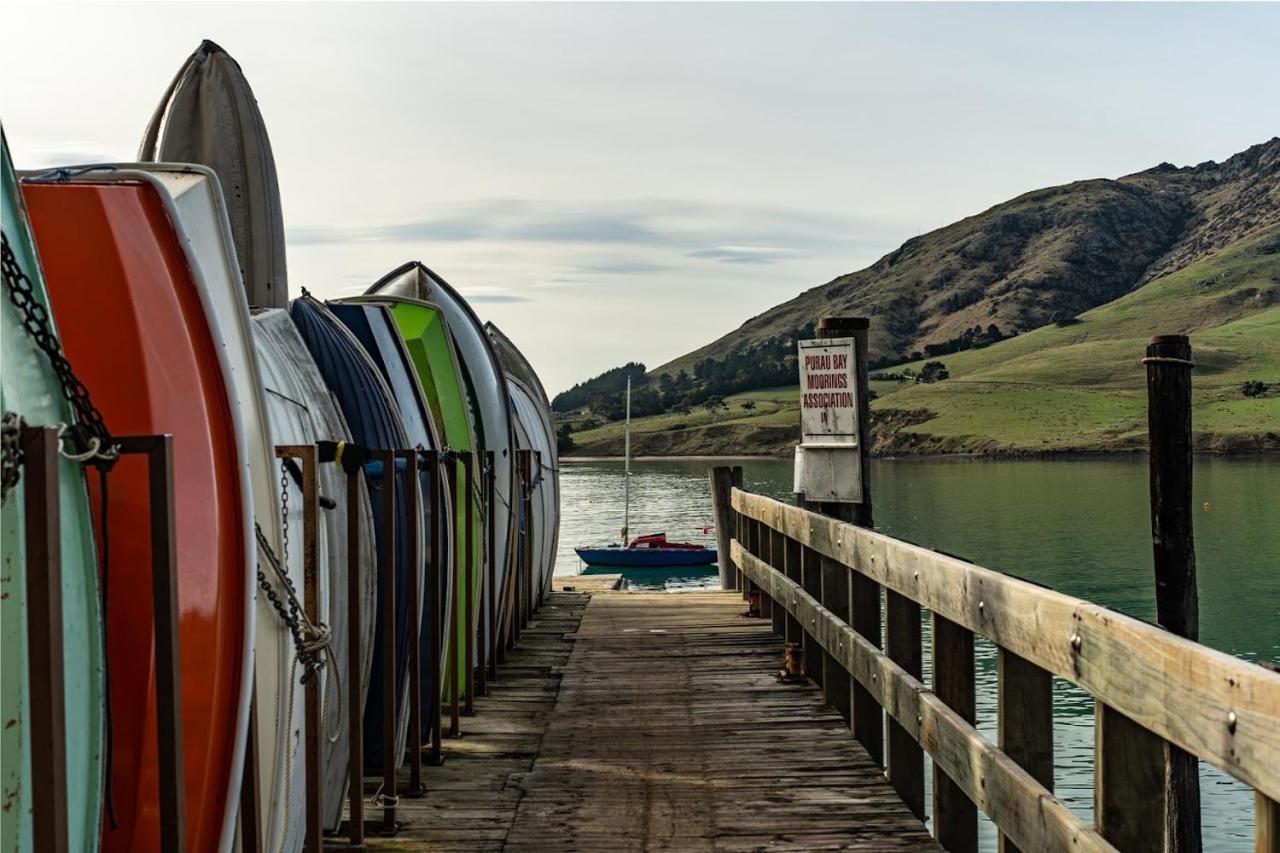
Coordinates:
[1037,456]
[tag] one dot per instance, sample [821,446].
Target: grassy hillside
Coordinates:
[1055,389]
[1046,255]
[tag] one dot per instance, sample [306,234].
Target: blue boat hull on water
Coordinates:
[646,557]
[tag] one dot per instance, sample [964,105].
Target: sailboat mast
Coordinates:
[626,477]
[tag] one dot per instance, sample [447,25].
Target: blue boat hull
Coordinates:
[646,557]
[374,327]
[374,417]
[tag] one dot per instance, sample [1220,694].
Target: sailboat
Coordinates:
[651,551]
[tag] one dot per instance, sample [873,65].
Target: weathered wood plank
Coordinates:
[904,760]
[1266,825]
[1220,708]
[668,735]
[955,817]
[1025,707]
[1129,783]
[1019,805]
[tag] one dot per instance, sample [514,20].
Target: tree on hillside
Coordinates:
[715,405]
[564,439]
[613,381]
[933,371]
[748,405]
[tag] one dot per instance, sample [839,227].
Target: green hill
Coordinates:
[1071,388]
[1047,255]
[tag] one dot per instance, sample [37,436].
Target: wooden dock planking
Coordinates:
[653,721]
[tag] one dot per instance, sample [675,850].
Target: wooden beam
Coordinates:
[1266,825]
[1018,804]
[1025,708]
[955,818]
[904,761]
[1218,707]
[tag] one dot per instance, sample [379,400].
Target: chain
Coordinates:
[310,640]
[10,453]
[89,437]
[284,507]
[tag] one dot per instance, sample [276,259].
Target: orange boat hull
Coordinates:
[134,327]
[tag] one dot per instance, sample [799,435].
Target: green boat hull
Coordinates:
[427,340]
[29,387]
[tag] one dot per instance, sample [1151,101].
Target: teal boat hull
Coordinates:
[29,387]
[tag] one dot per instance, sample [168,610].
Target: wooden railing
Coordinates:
[1155,692]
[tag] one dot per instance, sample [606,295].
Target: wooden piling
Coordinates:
[723,478]
[1168,364]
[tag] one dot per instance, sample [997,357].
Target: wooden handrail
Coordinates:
[1019,805]
[1223,710]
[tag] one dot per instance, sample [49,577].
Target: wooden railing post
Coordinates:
[955,817]
[811,581]
[1266,824]
[1025,708]
[904,759]
[776,554]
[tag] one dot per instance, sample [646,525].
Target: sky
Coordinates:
[621,182]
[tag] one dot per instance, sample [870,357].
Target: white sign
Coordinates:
[828,392]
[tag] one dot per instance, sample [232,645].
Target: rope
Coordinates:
[1164,359]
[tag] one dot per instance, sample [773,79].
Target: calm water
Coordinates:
[1081,527]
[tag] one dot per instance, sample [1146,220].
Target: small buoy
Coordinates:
[1208,505]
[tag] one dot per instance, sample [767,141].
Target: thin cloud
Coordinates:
[732,231]
[744,254]
[497,298]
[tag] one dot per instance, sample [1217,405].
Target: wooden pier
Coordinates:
[652,721]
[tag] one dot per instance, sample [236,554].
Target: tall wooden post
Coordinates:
[852,596]
[1168,364]
[723,480]
[1147,792]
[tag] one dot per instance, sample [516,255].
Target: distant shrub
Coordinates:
[933,371]
[1063,322]
[564,439]
[1254,388]
[748,405]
